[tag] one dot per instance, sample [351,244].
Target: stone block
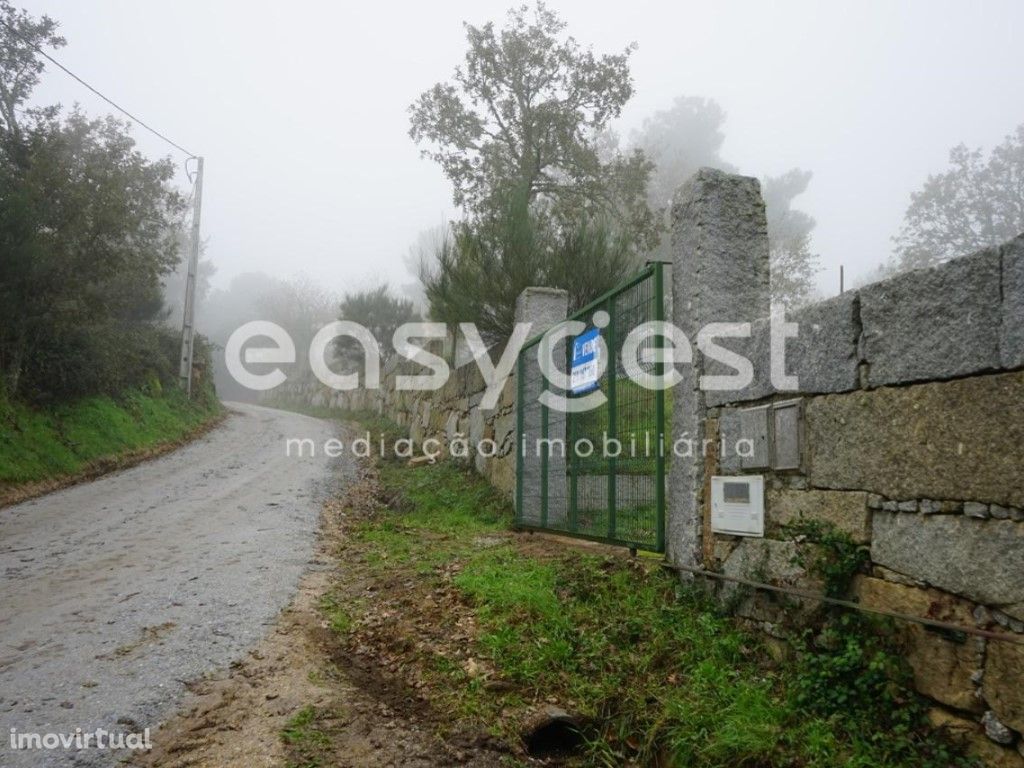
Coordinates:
[973,735]
[721,270]
[847,511]
[763,560]
[724,546]
[720,244]
[767,561]
[955,726]
[541,307]
[942,667]
[934,323]
[999,512]
[823,356]
[997,730]
[757,349]
[960,439]
[501,472]
[1003,685]
[720,274]
[992,755]
[508,394]
[981,560]
[975,509]
[476,427]
[505,433]
[1011,342]
[730,432]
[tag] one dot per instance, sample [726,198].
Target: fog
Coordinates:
[301,110]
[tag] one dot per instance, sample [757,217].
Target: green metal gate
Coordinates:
[597,474]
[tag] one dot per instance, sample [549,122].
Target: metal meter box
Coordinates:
[786,429]
[774,433]
[754,426]
[737,505]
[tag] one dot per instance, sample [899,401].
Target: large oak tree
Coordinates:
[524,115]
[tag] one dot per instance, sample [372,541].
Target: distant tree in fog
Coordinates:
[679,140]
[793,265]
[974,204]
[378,310]
[300,306]
[420,255]
[521,131]
[689,135]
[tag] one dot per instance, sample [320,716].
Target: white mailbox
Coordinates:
[737,505]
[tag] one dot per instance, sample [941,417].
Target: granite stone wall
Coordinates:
[910,438]
[454,415]
[451,415]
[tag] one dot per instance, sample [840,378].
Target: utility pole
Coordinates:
[188,330]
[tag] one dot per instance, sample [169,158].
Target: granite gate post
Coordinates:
[720,274]
[543,308]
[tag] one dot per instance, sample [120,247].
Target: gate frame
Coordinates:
[653,270]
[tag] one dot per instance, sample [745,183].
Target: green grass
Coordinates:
[43,444]
[339,616]
[305,738]
[636,425]
[657,672]
[442,516]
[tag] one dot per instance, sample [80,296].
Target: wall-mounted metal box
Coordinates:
[787,431]
[775,435]
[755,427]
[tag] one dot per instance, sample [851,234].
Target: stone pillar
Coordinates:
[543,308]
[719,275]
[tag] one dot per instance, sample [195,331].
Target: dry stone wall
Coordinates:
[453,416]
[449,415]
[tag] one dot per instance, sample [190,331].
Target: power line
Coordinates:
[109,101]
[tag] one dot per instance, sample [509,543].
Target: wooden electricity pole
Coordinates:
[188,317]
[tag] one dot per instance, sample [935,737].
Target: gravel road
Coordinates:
[115,593]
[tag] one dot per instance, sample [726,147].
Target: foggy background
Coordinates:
[301,110]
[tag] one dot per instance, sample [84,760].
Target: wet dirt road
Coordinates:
[115,593]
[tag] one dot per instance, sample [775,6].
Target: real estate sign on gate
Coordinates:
[586,359]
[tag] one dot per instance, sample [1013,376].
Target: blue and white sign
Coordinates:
[586,362]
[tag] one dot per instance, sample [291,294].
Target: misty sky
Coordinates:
[300,108]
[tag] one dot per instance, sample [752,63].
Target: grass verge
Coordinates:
[488,626]
[49,447]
